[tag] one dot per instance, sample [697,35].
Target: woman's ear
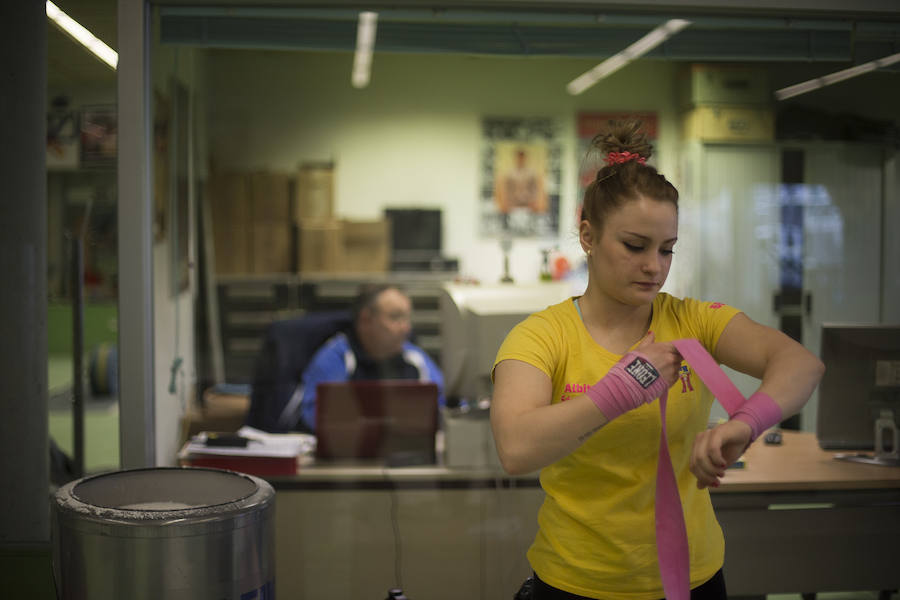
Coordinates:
[586,236]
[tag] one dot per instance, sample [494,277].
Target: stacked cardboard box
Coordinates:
[271,222]
[319,246]
[726,103]
[230,211]
[251,216]
[319,235]
[267,222]
[314,192]
[367,246]
[342,246]
[326,244]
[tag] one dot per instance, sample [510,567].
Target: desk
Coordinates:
[795,520]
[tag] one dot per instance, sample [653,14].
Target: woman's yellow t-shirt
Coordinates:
[596,533]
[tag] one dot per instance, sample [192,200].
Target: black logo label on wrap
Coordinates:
[642,372]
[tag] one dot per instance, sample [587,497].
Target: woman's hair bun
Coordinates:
[623,136]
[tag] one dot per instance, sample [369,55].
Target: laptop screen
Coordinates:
[390,421]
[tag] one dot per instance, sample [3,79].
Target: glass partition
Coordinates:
[82,253]
[273,176]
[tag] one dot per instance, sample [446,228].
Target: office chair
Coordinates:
[287,348]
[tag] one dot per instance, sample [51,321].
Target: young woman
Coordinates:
[569,401]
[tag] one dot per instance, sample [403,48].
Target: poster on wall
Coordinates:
[99,136]
[63,135]
[520,177]
[161,119]
[178,184]
[589,125]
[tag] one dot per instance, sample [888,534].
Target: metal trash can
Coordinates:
[173,533]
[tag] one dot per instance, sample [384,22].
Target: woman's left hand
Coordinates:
[715,449]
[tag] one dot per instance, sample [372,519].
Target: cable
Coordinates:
[395,526]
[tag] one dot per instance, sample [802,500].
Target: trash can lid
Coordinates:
[164,489]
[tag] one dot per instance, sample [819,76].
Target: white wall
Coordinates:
[413,137]
[175,374]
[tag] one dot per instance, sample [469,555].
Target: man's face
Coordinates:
[386,326]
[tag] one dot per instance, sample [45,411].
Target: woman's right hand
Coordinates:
[640,376]
[663,356]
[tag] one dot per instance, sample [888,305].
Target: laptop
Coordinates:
[390,422]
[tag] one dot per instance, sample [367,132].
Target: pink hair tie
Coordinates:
[617,158]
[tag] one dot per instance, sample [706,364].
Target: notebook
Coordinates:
[391,422]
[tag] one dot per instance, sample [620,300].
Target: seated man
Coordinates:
[376,347]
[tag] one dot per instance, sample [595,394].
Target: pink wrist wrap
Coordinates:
[631,382]
[759,412]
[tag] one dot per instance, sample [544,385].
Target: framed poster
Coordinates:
[179,183]
[162,116]
[63,136]
[99,136]
[520,177]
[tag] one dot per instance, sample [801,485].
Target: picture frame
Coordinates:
[99,136]
[520,177]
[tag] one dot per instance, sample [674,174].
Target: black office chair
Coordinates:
[287,348]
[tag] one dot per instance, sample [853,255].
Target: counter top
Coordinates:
[798,464]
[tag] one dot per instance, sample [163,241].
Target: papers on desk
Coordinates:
[265,453]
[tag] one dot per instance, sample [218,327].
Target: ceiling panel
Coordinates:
[581,29]
[712,37]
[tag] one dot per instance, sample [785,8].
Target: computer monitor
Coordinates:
[416,240]
[415,230]
[475,320]
[861,384]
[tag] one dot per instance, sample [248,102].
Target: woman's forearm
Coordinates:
[533,439]
[790,376]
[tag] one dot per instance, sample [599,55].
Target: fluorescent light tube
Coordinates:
[82,35]
[619,60]
[365,43]
[820,82]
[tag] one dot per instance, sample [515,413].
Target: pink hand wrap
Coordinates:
[631,382]
[759,412]
[634,381]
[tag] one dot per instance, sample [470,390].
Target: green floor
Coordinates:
[101,435]
[101,415]
[101,419]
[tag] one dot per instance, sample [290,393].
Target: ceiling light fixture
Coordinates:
[635,50]
[82,35]
[365,42]
[820,82]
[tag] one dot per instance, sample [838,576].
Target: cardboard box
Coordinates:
[367,246]
[742,85]
[320,246]
[729,124]
[219,412]
[271,250]
[229,199]
[233,250]
[270,197]
[229,204]
[314,192]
